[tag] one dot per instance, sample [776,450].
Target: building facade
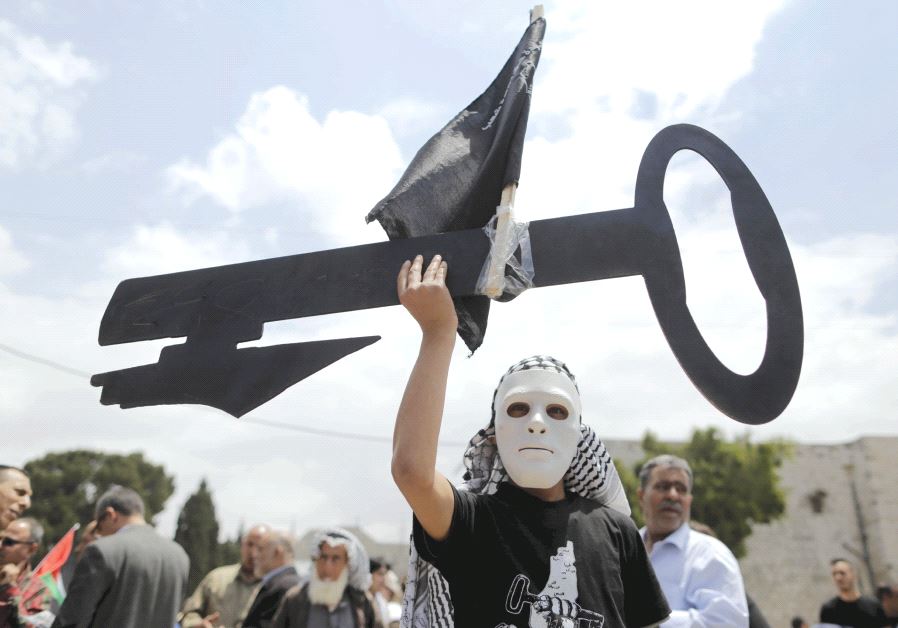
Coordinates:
[841,501]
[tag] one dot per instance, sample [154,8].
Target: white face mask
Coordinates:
[537,426]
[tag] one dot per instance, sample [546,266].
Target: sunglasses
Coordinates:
[8,542]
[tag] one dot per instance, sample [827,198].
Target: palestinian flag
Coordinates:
[46,582]
[455,181]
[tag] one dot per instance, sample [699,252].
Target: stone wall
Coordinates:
[786,567]
[854,487]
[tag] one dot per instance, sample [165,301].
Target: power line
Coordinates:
[30,357]
[43,361]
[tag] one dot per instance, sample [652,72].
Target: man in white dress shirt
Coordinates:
[698,574]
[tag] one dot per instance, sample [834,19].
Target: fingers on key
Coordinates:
[414,271]
[431,273]
[402,277]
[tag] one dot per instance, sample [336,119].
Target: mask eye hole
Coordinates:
[518,409]
[557,412]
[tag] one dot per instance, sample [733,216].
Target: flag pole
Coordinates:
[499,253]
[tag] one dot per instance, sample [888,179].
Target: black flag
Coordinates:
[456,179]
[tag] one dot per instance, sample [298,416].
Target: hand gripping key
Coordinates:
[551,605]
[217,308]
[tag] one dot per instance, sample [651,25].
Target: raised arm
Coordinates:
[427,491]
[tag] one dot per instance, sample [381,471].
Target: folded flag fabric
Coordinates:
[455,181]
[45,584]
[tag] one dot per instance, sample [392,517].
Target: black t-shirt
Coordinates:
[511,558]
[865,612]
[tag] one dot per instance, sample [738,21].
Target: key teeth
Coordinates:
[233,380]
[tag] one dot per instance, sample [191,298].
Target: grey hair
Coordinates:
[281,540]
[8,471]
[664,460]
[35,529]
[120,499]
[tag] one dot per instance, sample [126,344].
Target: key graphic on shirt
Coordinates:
[519,594]
[219,308]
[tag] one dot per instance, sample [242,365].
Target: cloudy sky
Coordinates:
[144,138]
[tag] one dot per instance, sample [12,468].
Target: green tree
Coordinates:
[67,484]
[736,483]
[229,551]
[197,533]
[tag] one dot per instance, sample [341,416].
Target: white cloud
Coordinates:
[606,330]
[39,95]
[11,259]
[159,249]
[683,56]
[410,116]
[113,163]
[335,170]
[612,75]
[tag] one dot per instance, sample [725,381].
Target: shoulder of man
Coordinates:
[144,539]
[297,591]
[829,604]
[287,579]
[225,573]
[295,599]
[602,512]
[359,598]
[871,603]
[701,543]
[106,546]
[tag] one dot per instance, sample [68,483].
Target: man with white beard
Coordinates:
[336,595]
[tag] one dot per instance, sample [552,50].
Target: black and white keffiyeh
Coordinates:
[592,475]
[359,573]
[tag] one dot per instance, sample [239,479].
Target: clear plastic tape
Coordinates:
[504,274]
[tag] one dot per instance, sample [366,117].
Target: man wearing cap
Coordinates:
[529,540]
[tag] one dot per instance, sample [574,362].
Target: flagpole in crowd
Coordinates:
[495,282]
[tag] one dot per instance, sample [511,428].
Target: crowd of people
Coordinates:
[136,578]
[127,575]
[539,533]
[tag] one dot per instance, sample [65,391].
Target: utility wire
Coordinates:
[30,357]
[43,361]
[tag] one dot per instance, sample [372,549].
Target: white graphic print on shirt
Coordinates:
[556,605]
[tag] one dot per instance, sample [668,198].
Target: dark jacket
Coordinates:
[269,597]
[132,579]
[294,611]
